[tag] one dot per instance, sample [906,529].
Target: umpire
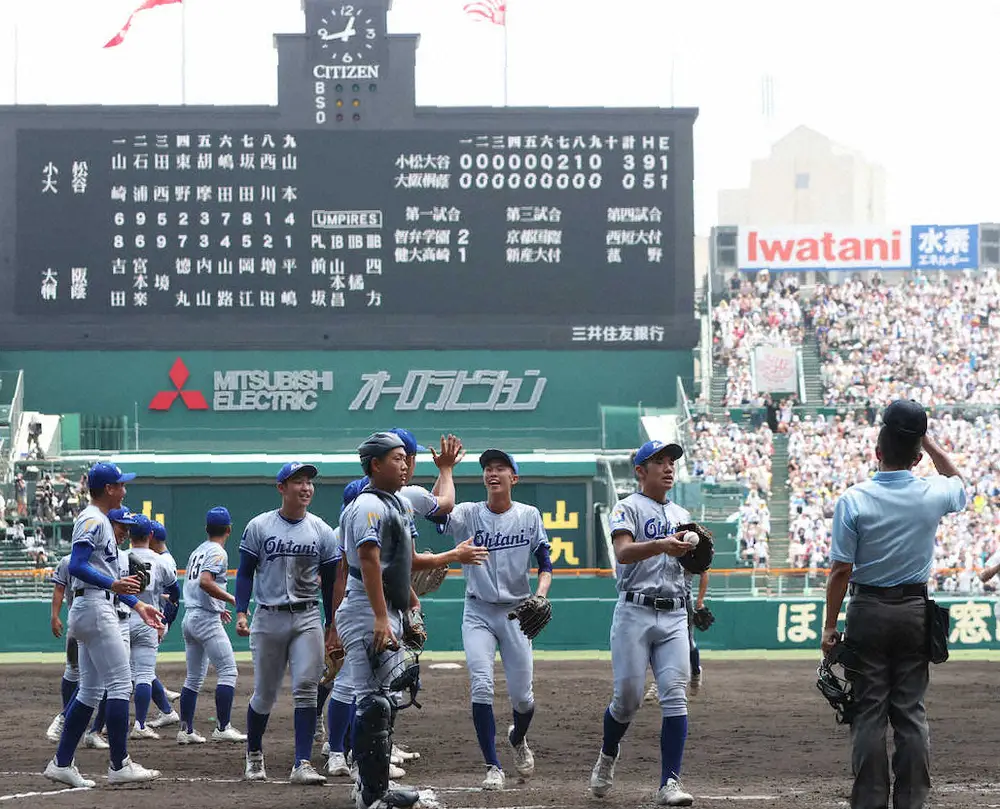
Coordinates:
[883,546]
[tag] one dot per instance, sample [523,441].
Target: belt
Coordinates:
[356,572]
[108,595]
[899,591]
[123,616]
[655,603]
[298,606]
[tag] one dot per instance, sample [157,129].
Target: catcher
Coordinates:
[500,609]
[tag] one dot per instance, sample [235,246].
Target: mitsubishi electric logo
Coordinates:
[248,391]
[193,399]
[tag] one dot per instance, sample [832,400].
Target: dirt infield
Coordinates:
[761,735]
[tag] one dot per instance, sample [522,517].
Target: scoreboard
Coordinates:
[381,226]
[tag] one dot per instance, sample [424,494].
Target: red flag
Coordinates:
[118,38]
[493,11]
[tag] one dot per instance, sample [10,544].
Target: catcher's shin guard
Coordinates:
[373,746]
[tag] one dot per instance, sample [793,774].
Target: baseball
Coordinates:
[692,537]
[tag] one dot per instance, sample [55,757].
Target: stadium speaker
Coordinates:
[989,245]
[724,248]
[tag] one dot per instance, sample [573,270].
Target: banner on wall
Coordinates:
[775,369]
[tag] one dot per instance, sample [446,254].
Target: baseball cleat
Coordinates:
[95,741]
[404,755]
[171,695]
[326,748]
[139,732]
[337,765]
[524,759]
[54,732]
[395,798]
[305,773]
[494,780]
[695,684]
[164,719]
[320,734]
[652,694]
[254,770]
[395,771]
[228,734]
[671,794]
[602,777]
[131,773]
[184,737]
[67,775]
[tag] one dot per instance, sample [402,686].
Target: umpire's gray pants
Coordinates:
[889,637]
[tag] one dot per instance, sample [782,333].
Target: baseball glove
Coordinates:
[427,581]
[332,664]
[414,631]
[699,559]
[139,569]
[532,614]
[702,619]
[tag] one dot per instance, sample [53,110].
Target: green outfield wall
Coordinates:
[582,609]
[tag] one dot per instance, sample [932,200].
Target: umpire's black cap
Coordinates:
[906,417]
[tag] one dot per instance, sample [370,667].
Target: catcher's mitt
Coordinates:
[427,581]
[702,619]
[139,569]
[532,614]
[699,559]
[332,664]
[414,631]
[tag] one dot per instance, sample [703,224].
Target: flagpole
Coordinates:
[183,53]
[17,54]
[505,59]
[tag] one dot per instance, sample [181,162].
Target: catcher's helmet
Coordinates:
[376,446]
[839,691]
[395,670]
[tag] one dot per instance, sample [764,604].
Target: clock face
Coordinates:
[349,34]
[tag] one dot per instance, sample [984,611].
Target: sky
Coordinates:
[909,84]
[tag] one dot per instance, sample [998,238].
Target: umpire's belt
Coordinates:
[655,603]
[890,593]
[298,606]
[107,595]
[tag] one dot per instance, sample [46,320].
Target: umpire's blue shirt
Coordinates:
[886,526]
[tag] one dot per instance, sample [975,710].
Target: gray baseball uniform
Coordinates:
[492,589]
[61,577]
[287,630]
[643,635]
[144,641]
[205,638]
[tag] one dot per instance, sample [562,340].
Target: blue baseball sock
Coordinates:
[305,729]
[339,720]
[322,694]
[98,725]
[224,704]
[613,733]
[486,732]
[256,725]
[68,689]
[349,736]
[117,718]
[160,697]
[189,700]
[143,694]
[695,661]
[673,733]
[521,722]
[77,718]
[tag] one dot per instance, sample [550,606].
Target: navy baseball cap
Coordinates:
[353,489]
[409,441]
[906,417]
[651,448]
[294,467]
[122,516]
[159,531]
[498,455]
[141,526]
[104,474]
[218,516]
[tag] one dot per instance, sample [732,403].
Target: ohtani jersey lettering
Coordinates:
[289,554]
[362,521]
[61,576]
[93,528]
[208,557]
[160,578]
[511,538]
[645,519]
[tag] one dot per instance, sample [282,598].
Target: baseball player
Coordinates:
[437,503]
[144,640]
[162,697]
[97,591]
[288,550]
[71,675]
[514,536]
[205,638]
[650,623]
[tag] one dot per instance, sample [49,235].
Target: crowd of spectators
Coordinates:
[25,522]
